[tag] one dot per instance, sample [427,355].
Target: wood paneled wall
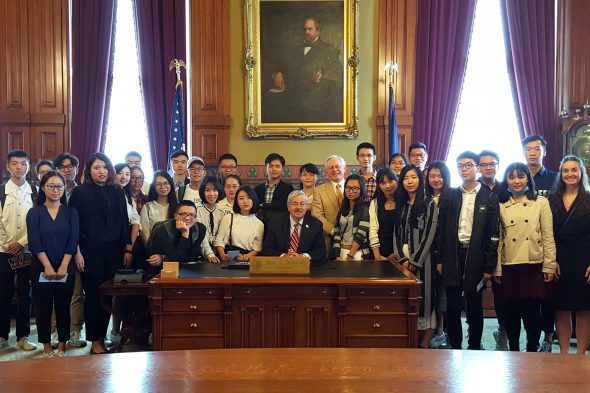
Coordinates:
[397,42]
[573,56]
[210,78]
[34,77]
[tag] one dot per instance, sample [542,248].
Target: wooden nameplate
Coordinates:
[169,270]
[279,265]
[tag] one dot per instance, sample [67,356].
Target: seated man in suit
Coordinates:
[273,193]
[180,239]
[295,234]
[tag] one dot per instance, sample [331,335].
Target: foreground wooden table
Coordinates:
[298,370]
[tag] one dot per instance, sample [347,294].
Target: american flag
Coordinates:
[176,123]
[393,148]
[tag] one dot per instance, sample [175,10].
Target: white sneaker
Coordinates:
[25,344]
[76,340]
[3,342]
[49,354]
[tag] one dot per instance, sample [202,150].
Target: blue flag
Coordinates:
[393,148]
[176,123]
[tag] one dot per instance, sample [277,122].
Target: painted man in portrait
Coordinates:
[307,88]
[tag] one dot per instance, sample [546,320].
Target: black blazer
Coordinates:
[278,205]
[311,239]
[482,254]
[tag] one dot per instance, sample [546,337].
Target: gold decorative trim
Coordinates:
[255,127]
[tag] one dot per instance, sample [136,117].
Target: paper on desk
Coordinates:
[43,279]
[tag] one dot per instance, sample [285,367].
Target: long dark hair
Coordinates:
[127,188]
[153,195]
[558,189]
[252,195]
[520,169]
[215,183]
[41,197]
[345,210]
[446,175]
[107,161]
[384,174]
[419,206]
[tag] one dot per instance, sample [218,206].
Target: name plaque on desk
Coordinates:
[169,270]
[279,265]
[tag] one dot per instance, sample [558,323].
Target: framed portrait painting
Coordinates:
[301,64]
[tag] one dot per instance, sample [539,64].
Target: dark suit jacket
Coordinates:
[311,240]
[482,254]
[278,206]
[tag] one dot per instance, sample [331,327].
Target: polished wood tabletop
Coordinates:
[302,370]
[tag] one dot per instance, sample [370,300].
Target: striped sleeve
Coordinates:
[427,235]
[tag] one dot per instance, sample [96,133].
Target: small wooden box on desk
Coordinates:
[348,304]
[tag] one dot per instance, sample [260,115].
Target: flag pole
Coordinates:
[392,67]
[176,140]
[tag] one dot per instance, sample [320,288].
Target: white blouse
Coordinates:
[247,232]
[132,213]
[225,205]
[203,216]
[151,213]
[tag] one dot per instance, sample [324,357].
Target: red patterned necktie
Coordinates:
[294,244]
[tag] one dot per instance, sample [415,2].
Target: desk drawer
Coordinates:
[175,343]
[192,324]
[386,292]
[377,305]
[192,305]
[191,292]
[376,324]
[287,291]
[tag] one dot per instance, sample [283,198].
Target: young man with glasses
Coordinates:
[16,198]
[418,155]
[467,248]
[133,159]
[488,168]
[228,165]
[365,155]
[180,239]
[67,166]
[196,174]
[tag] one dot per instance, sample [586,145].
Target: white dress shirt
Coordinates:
[467,211]
[247,232]
[151,213]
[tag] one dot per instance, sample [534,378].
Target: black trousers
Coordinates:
[473,310]
[548,315]
[23,292]
[46,296]
[498,306]
[528,310]
[100,265]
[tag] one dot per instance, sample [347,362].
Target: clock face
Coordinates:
[580,142]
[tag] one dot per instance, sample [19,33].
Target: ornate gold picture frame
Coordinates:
[301,68]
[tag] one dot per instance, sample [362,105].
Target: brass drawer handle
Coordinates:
[193,307]
[376,307]
[361,292]
[194,325]
[324,292]
[247,291]
[376,325]
[392,292]
[209,292]
[178,291]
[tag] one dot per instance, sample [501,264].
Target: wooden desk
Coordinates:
[349,304]
[303,369]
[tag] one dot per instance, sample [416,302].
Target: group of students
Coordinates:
[453,239]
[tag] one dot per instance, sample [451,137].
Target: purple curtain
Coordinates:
[92,48]
[444,32]
[160,38]
[529,31]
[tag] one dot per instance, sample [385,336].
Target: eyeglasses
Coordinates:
[162,185]
[137,178]
[352,189]
[228,167]
[66,167]
[467,165]
[232,187]
[54,187]
[488,165]
[185,215]
[196,170]
[417,155]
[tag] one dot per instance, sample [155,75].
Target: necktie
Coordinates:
[211,223]
[339,195]
[294,243]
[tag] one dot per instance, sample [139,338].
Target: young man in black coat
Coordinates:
[467,249]
[309,240]
[273,193]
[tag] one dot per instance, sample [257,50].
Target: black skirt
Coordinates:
[522,281]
